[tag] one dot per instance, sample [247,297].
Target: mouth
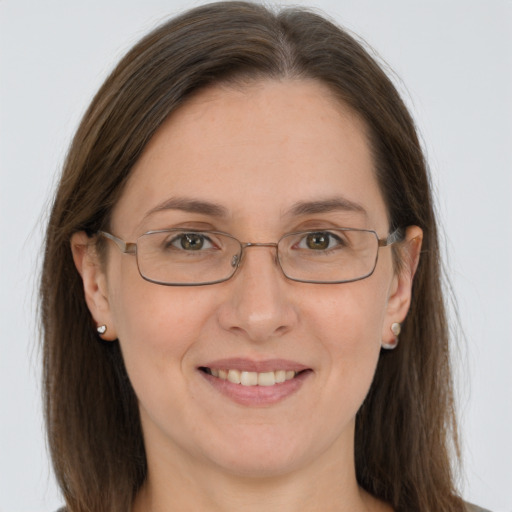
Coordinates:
[251,378]
[256,383]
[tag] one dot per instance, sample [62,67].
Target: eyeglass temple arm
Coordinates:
[397,236]
[125,247]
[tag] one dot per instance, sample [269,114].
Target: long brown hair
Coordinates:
[405,430]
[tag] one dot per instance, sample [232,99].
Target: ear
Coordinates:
[400,292]
[89,266]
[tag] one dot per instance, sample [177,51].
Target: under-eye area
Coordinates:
[248,378]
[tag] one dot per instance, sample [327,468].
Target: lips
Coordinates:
[250,365]
[249,382]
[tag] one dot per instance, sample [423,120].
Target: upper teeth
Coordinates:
[254,378]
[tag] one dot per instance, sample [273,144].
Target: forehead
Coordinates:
[255,151]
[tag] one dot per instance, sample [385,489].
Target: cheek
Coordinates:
[349,326]
[352,316]
[156,326]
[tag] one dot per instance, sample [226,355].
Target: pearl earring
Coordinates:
[395,329]
[102,329]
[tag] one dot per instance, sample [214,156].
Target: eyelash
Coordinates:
[179,241]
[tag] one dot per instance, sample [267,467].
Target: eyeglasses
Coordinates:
[187,257]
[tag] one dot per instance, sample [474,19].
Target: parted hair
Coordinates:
[406,437]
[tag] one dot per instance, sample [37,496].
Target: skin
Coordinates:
[256,151]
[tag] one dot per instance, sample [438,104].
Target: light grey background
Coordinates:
[455,57]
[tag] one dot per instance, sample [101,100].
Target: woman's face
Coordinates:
[256,162]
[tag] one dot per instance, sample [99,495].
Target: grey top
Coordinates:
[475,508]
[469,506]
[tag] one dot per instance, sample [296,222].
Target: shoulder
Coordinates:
[474,508]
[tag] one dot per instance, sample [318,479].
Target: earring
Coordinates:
[395,329]
[102,329]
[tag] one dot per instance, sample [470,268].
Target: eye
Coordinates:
[191,242]
[320,241]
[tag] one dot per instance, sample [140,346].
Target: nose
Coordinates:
[259,301]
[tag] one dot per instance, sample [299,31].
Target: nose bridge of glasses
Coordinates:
[237,259]
[259,244]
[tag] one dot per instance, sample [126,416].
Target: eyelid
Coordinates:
[325,225]
[314,228]
[204,234]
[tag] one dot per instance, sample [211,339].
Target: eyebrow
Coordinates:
[191,206]
[325,206]
[300,208]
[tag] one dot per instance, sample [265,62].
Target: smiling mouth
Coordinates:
[246,378]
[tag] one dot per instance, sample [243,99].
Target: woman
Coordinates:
[235,308]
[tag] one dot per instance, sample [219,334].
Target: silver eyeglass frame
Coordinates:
[398,235]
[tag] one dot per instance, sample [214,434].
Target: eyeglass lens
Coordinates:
[179,257]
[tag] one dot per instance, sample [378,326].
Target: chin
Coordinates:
[263,454]
[262,467]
